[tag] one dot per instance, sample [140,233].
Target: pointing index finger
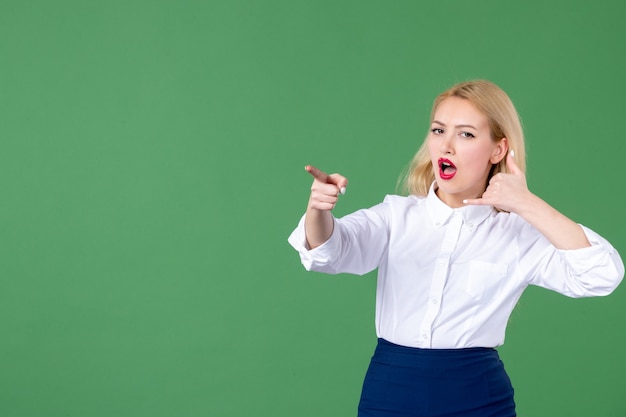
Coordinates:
[316,173]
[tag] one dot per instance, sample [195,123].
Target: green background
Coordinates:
[151,170]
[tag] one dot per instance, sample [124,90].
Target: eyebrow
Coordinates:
[457,126]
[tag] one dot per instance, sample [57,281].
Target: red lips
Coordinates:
[447,170]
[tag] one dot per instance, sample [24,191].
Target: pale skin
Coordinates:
[509,192]
[459,135]
[325,191]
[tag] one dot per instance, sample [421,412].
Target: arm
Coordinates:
[509,192]
[572,260]
[586,272]
[353,244]
[560,230]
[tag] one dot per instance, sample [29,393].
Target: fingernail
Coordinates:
[342,190]
[512,153]
[464,201]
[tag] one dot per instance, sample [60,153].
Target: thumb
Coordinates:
[511,165]
[476,202]
[340,181]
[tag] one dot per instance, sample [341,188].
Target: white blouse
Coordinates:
[450,278]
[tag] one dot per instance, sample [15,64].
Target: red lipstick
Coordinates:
[447,170]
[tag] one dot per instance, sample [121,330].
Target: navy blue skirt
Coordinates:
[409,382]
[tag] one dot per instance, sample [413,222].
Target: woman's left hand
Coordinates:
[507,192]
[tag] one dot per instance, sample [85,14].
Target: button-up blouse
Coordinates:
[450,278]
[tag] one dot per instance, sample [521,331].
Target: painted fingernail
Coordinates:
[342,190]
[512,153]
[464,201]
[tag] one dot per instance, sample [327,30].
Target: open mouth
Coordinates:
[447,169]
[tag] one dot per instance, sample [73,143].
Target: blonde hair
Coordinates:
[504,122]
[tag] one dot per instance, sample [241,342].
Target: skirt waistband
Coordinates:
[464,360]
[385,344]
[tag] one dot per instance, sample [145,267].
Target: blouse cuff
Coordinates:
[321,255]
[585,259]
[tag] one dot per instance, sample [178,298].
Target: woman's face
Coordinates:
[462,151]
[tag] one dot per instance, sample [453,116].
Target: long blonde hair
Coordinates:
[504,122]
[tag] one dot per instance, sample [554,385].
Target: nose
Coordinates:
[446,146]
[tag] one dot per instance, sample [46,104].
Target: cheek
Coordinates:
[432,145]
[480,158]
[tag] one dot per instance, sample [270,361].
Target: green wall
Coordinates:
[151,169]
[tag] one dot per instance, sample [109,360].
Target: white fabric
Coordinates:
[450,278]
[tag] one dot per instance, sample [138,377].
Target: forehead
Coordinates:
[458,111]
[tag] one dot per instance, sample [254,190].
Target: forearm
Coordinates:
[560,230]
[318,226]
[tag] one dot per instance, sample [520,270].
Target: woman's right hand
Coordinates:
[325,189]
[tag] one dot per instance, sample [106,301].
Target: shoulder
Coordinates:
[397,206]
[400,203]
[391,206]
[402,200]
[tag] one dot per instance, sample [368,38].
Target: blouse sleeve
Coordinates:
[592,271]
[356,245]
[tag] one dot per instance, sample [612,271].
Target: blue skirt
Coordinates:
[409,382]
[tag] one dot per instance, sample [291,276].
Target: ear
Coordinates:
[499,152]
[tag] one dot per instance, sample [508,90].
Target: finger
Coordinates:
[510,163]
[476,202]
[316,173]
[326,193]
[322,206]
[327,190]
[322,202]
[340,181]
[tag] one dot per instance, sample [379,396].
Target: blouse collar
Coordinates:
[440,213]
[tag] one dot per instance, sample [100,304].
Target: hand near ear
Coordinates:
[507,192]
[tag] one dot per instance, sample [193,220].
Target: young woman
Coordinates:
[453,259]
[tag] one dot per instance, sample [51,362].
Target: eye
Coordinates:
[467,135]
[437,131]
